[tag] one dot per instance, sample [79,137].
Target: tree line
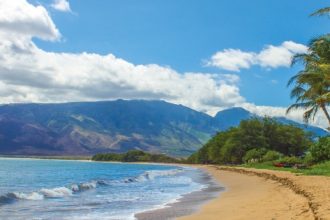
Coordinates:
[135,156]
[263,140]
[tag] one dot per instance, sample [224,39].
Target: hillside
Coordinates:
[88,128]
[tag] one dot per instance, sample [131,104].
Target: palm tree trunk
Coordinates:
[326,114]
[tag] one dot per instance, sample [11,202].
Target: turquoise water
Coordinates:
[59,189]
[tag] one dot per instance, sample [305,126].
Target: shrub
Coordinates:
[271,156]
[308,158]
[291,160]
[254,155]
[320,150]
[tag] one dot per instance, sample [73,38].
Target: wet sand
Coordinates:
[188,204]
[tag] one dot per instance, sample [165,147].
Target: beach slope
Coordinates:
[265,194]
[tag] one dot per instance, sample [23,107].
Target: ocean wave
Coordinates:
[65,191]
[152,174]
[14,196]
[57,192]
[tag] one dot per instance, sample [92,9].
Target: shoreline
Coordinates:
[244,197]
[249,194]
[188,203]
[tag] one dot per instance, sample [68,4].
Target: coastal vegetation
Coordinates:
[267,144]
[135,156]
[253,140]
[322,169]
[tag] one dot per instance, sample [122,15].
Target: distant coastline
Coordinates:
[81,158]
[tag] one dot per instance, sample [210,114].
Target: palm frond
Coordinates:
[298,58]
[292,80]
[310,114]
[299,106]
[321,12]
[297,92]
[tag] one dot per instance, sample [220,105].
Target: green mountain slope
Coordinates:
[87,128]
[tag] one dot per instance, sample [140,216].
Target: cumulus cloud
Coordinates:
[269,57]
[30,74]
[61,5]
[232,59]
[57,77]
[19,19]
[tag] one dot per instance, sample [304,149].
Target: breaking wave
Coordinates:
[60,192]
[152,174]
[14,196]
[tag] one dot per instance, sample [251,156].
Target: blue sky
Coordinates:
[208,55]
[181,34]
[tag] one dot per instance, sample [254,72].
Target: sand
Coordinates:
[265,194]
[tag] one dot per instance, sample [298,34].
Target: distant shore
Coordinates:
[82,158]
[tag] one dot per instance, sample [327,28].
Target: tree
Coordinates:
[252,135]
[312,85]
[321,150]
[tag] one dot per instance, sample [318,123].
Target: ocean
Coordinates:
[62,189]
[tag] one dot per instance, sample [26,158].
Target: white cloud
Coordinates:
[30,74]
[231,59]
[269,57]
[58,77]
[61,5]
[19,19]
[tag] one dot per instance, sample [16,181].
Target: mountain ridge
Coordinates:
[86,128]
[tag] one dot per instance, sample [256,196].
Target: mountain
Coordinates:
[232,117]
[87,128]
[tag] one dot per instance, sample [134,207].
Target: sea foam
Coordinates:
[59,192]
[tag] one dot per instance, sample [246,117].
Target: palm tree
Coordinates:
[322,11]
[312,85]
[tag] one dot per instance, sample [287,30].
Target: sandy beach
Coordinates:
[265,194]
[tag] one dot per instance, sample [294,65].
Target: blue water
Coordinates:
[59,189]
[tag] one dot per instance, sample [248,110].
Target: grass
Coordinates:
[321,169]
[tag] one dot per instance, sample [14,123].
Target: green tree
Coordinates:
[320,150]
[254,155]
[271,155]
[232,145]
